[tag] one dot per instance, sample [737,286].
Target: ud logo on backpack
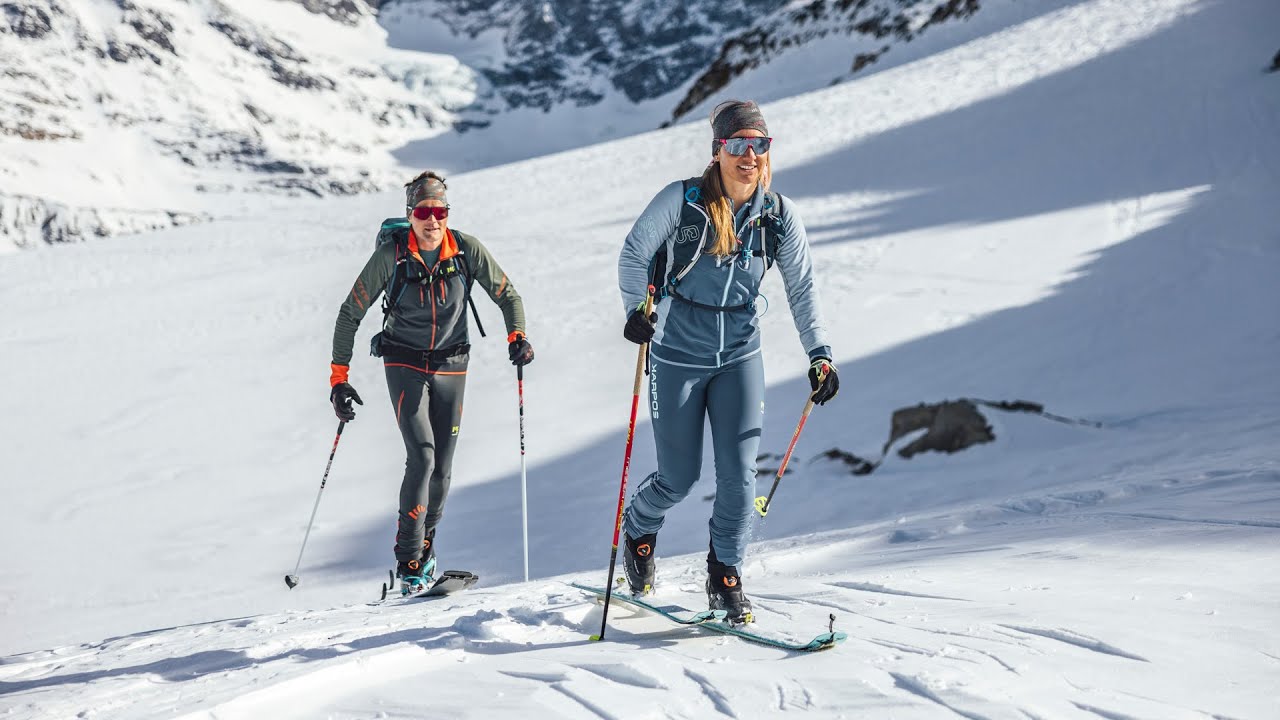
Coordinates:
[688,234]
[676,257]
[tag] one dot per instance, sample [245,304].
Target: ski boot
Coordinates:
[724,592]
[412,578]
[639,563]
[428,560]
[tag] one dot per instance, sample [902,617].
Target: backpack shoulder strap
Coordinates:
[401,242]
[686,244]
[463,263]
[772,227]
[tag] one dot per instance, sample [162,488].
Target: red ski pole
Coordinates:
[626,466]
[762,502]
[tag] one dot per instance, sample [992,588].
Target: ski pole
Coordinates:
[626,466]
[292,580]
[524,502]
[762,502]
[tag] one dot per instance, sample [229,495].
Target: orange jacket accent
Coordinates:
[448,246]
[337,374]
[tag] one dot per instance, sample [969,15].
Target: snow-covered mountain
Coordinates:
[1073,205]
[178,109]
[171,111]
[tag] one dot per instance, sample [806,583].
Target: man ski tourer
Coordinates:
[425,273]
[705,244]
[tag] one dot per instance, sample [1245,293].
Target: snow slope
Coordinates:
[1076,210]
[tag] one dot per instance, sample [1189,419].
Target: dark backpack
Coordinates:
[396,230]
[677,256]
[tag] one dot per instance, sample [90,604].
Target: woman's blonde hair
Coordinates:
[718,206]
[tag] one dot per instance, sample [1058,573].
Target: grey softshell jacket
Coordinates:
[697,337]
[432,315]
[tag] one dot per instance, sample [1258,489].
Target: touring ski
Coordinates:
[449,583]
[713,620]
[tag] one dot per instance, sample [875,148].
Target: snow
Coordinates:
[1076,209]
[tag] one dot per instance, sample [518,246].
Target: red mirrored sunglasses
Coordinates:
[422,213]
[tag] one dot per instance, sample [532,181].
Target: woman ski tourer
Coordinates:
[704,245]
[425,273]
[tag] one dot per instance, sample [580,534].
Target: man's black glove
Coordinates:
[639,329]
[520,351]
[824,381]
[342,396]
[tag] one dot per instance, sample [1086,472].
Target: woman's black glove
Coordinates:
[520,351]
[639,329]
[342,396]
[823,380]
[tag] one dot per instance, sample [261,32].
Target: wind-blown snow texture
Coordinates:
[1072,203]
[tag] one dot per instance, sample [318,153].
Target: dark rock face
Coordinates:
[283,60]
[571,51]
[578,51]
[878,19]
[27,20]
[950,426]
[347,12]
[151,25]
[1275,63]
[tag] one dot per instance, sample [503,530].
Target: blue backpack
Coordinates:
[677,256]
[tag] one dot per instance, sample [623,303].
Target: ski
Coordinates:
[674,613]
[714,621]
[450,582]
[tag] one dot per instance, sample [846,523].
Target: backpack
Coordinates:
[396,230]
[677,256]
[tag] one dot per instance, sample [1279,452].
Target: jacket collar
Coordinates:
[448,246]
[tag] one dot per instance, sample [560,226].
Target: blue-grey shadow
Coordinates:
[965,166]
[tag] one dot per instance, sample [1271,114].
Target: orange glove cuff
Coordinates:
[515,336]
[337,374]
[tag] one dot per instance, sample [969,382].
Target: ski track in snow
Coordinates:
[1109,715]
[587,704]
[712,693]
[921,690]
[1202,521]
[624,675]
[873,588]
[1073,638]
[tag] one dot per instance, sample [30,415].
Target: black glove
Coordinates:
[824,381]
[639,329]
[520,351]
[341,396]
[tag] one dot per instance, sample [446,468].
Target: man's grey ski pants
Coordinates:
[428,405]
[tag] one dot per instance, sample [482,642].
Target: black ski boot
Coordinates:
[639,563]
[411,578]
[724,591]
[428,560]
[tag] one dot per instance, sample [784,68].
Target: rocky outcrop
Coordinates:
[899,20]
[205,100]
[348,12]
[28,221]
